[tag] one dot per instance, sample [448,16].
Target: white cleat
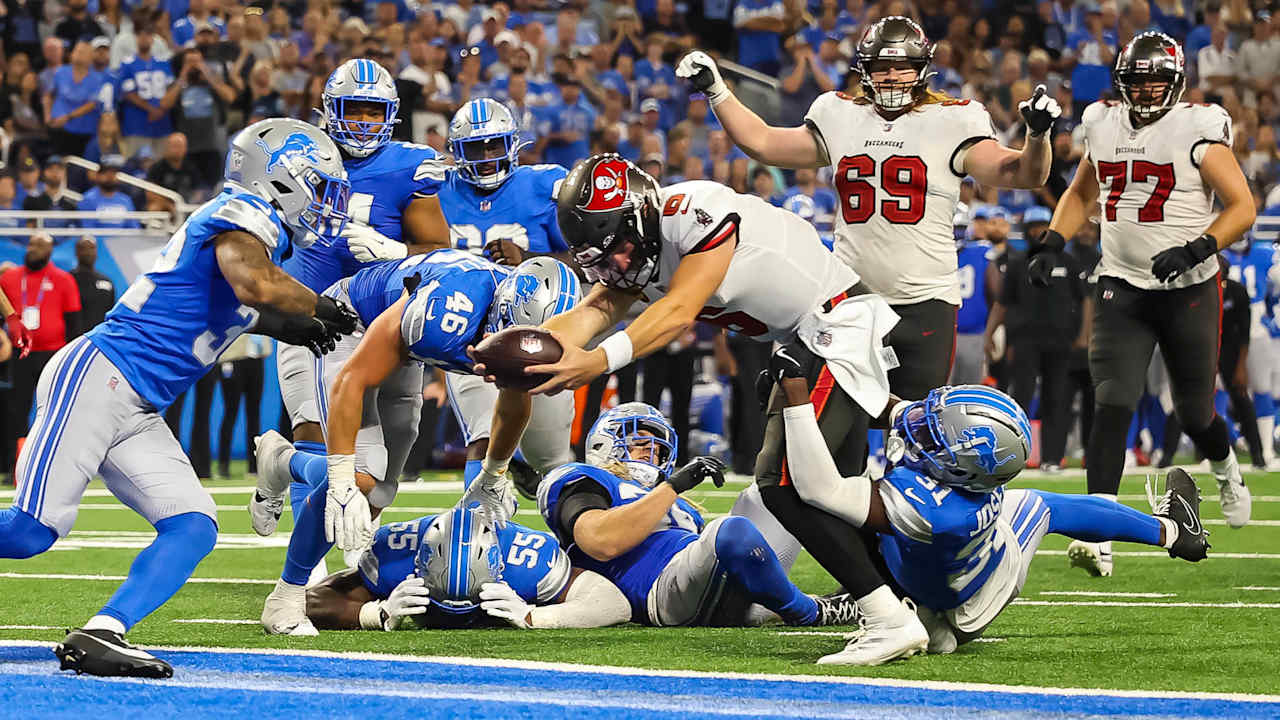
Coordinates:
[1237,503]
[1092,557]
[285,612]
[880,640]
[266,505]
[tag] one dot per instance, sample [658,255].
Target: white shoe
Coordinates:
[318,573]
[1094,558]
[285,612]
[880,640]
[266,505]
[1237,502]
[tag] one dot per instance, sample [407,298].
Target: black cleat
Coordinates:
[525,478]
[1181,504]
[836,610]
[104,653]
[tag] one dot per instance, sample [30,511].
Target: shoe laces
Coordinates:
[838,610]
[1159,505]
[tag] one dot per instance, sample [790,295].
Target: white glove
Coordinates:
[1040,111]
[500,601]
[409,598]
[700,70]
[347,520]
[368,245]
[495,497]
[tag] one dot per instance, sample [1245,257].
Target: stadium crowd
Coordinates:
[155,88]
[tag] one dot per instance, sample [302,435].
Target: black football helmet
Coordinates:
[894,38]
[606,206]
[1150,57]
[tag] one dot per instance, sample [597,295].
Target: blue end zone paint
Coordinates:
[222,684]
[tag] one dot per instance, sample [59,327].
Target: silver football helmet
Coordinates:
[459,553]
[485,141]
[638,436]
[537,289]
[297,168]
[359,81]
[967,436]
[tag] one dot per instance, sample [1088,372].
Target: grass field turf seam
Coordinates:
[1087,646]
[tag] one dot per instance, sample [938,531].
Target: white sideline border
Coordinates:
[945,685]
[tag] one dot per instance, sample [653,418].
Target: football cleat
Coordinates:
[1237,502]
[879,640]
[267,503]
[836,610]
[285,612]
[525,478]
[1093,558]
[105,653]
[1181,504]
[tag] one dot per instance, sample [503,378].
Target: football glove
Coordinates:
[347,520]
[19,335]
[500,601]
[1039,111]
[1171,263]
[337,317]
[410,597]
[700,70]
[493,498]
[300,330]
[699,470]
[1043,258]
[790,361]
[369,245]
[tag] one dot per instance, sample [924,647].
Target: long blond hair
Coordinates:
[622,472]
[928,96]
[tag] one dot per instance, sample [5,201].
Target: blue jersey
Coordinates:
[1250,268]
[382,186]
[532,562]
[172,323]
[944,544]
[635,571]
[446,311]
[150,79]
[109,209]
[522,210]
[973,259]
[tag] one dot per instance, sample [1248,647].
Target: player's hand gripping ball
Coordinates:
[506,353]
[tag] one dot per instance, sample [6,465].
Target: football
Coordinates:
[506,353]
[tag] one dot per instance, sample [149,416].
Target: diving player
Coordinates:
[394,211]
[423,309]
[621,515]
[100,400]
[1251,264]
[951,535]
[423,568]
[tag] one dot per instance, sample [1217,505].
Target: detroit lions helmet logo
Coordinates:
[294,146]
[982,441]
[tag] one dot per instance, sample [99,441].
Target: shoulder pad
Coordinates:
[1094,112]
[253,215]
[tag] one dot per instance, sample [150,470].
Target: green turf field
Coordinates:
[1159,624]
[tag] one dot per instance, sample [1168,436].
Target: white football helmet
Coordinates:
[359,81]
[537,289]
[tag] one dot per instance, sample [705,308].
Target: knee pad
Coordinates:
[198,531]
[738,540]
[22,536]
[1115,394]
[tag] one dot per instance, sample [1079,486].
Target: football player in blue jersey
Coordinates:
[1251,265]
[394,212]
[101,399]
[440,570]
[621,515]
[951,535]
[493,205]
[425,309]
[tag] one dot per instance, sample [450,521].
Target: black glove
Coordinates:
[336,316]
[1043,258]
[792,360]
[700,469]
[1171,263]
[298,330]
[1039,111]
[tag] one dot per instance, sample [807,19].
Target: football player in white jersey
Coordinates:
[699,251]
[1161,162]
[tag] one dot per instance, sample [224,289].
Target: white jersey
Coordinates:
[898,184]
[780,271]
[1151,192]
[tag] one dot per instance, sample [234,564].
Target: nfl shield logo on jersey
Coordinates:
[485,205]
[531,344]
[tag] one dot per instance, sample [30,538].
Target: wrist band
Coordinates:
[371,615]
[494,466]
[617,350]
[342,467]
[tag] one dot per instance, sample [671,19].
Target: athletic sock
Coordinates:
[22,536]
[307,544]
[105,622]
[1265,410]
[1170,532]
[750,564]
[1106,448]
[470,471]
[1212,440]
[1099,519]
[308,468]
[182,541]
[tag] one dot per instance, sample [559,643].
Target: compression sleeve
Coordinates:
[814,473]
[591,601]
[576,499]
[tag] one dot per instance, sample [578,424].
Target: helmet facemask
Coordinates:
[892,95]
[486,161]
[1149,95]
[360,138]
[327,213]
[637,436]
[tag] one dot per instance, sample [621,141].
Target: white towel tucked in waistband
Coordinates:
[851,339]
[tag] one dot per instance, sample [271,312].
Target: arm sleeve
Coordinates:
[591,601]
[579,497]
[901,508]
[817,480]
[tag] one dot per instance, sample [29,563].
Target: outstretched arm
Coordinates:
[379,353]
[257,282]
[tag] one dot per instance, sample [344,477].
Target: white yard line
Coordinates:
[1106,603]
[118,578]
[216,621]
[33,627]
[1092,593]
[1257,588]
[1164,554]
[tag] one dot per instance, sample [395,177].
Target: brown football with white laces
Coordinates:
[506,353]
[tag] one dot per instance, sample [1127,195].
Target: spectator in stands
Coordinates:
[97,292]
[1053,36]
[107,141]
[9,201]
[47,299]
[764,186]
[565,131]
[175,172]
[651,114]
[725,159]
[1259,67]
[183,30]
[260,99]
[26,119]
[101,60]
[1171,17]
[113,19]
[290,80]
[1093,51]
[77,26]
[54,195]
[71,105]
[125,45]
[823,197]
[1217,62]
[202,108]
[149,91]
[656,80]
[20,29]
[1137,19]
[106,199]
[669,24]
[28,179]
[468,83]
[52,50]
[627,37]
[1200,36]
[699,123]
[759,25]
[804,78]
